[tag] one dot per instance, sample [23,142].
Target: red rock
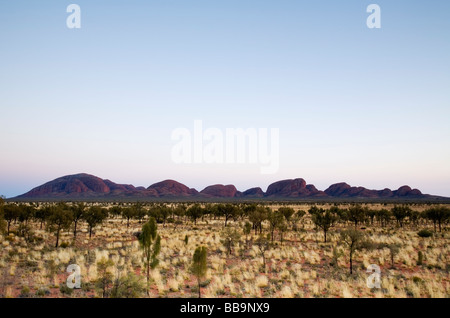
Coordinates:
[403,191]
[337,189]
[172,188]
[254,193]
[220,190]
[89,186]
[287,188]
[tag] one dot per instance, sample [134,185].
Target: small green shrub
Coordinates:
[25,292]
[417,280]
[425,233]
[419,258]
[64,289]
[41,292]
[64,245]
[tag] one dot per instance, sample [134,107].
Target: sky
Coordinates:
[369,107]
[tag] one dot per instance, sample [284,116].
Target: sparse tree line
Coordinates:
[267,224]
[63,216]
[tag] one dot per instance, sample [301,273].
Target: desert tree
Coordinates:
[400,213]
[275,220]
[128,286]
[247,229]
[370,213]
[354,240]
[209,210]
[282,228]
[128,213]
[180,211]
[42,214]
[10,214]
[287,213]
[263,245]
[323,219]
[230,238]
[355,214]
[228,211]
[139,212]
[2,225]
[60,218]
[199,265]
[2,217]
[78,211]
[258,216]
[105,276]
[94,216]
[160,212]
[165,212]
[194,212]
[383,216]
[437,215]
[25,213]
[414,217]
[394,249]
[115,211]
[248,208]
[298,216]
[150,243]
[336,254]
[341,214]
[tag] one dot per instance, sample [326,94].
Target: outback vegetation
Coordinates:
[223,249]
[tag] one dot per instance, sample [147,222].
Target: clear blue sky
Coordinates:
[365,106]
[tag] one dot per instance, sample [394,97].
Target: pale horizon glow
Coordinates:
[368,107]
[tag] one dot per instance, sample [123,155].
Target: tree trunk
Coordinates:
[75,230]
[199,290]
[351,263]
[57,238]
[264,262]
[148,278]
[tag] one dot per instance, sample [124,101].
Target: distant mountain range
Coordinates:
[88,187]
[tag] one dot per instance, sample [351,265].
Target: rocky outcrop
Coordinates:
[292,188]
[253,193]
[220,190]
[85,186]
[172,188]
[78,184]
